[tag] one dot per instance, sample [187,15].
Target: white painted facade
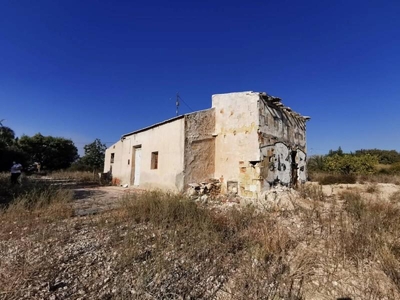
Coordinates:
[167,140]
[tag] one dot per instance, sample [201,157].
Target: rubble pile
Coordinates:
[204,190]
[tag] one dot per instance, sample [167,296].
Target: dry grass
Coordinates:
[33,204]
[312,191]
[337,178]
[190,251]
[395,197]
[326,178]
[380,178]
[372,188]
[168,247]
[76,176]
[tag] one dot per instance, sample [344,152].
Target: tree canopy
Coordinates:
[53,153]
[94,155]
[360,162]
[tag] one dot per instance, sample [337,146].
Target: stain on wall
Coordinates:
[199,158]
[250,179]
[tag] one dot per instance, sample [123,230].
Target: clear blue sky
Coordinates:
[99,69]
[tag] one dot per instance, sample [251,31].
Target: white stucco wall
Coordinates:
[236,143]
[168,140]
[116,166]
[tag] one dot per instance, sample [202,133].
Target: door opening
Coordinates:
[136,163]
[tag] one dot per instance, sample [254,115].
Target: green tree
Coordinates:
[349,163]
[94,156]
[7,137]
[316,163]
[339,152]
[54,153]
[386,157]
[9,150]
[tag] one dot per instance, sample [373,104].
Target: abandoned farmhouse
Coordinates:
[248,141]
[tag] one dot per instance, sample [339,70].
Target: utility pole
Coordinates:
[177,104]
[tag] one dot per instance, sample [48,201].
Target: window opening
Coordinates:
[154,160]
[112,158]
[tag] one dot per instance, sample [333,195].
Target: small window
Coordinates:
[154,160]
[112,158]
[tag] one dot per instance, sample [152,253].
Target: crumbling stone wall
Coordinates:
[278,123]
[282,138]
[259,143]
[199,158]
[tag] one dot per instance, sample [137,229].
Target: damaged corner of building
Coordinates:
[245,144]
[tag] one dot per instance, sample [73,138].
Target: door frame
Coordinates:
[134,163]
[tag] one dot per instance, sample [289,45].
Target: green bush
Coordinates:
[348,164]
[316,163]
[394,168]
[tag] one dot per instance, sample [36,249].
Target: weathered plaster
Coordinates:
[199,146]
[249,141]
[236,135]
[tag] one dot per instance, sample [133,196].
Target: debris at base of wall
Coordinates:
[280,197]
[276,198]
[211,189]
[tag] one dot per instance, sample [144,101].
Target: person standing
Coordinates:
[15,172]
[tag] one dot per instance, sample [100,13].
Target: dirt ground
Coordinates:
[92,200]
[83,257]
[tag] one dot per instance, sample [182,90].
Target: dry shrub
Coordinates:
[315,176]
[369,225]
[354,205]
[265,271]
[395,197]
[311,191]
[390,265]
[338,178]
[372,188]
[163,209]
[379,178]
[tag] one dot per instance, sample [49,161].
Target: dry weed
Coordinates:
[76,176]
[395,197]
[372,188]
[168,247]
[310,191]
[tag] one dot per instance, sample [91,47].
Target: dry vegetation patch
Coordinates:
[157,245]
